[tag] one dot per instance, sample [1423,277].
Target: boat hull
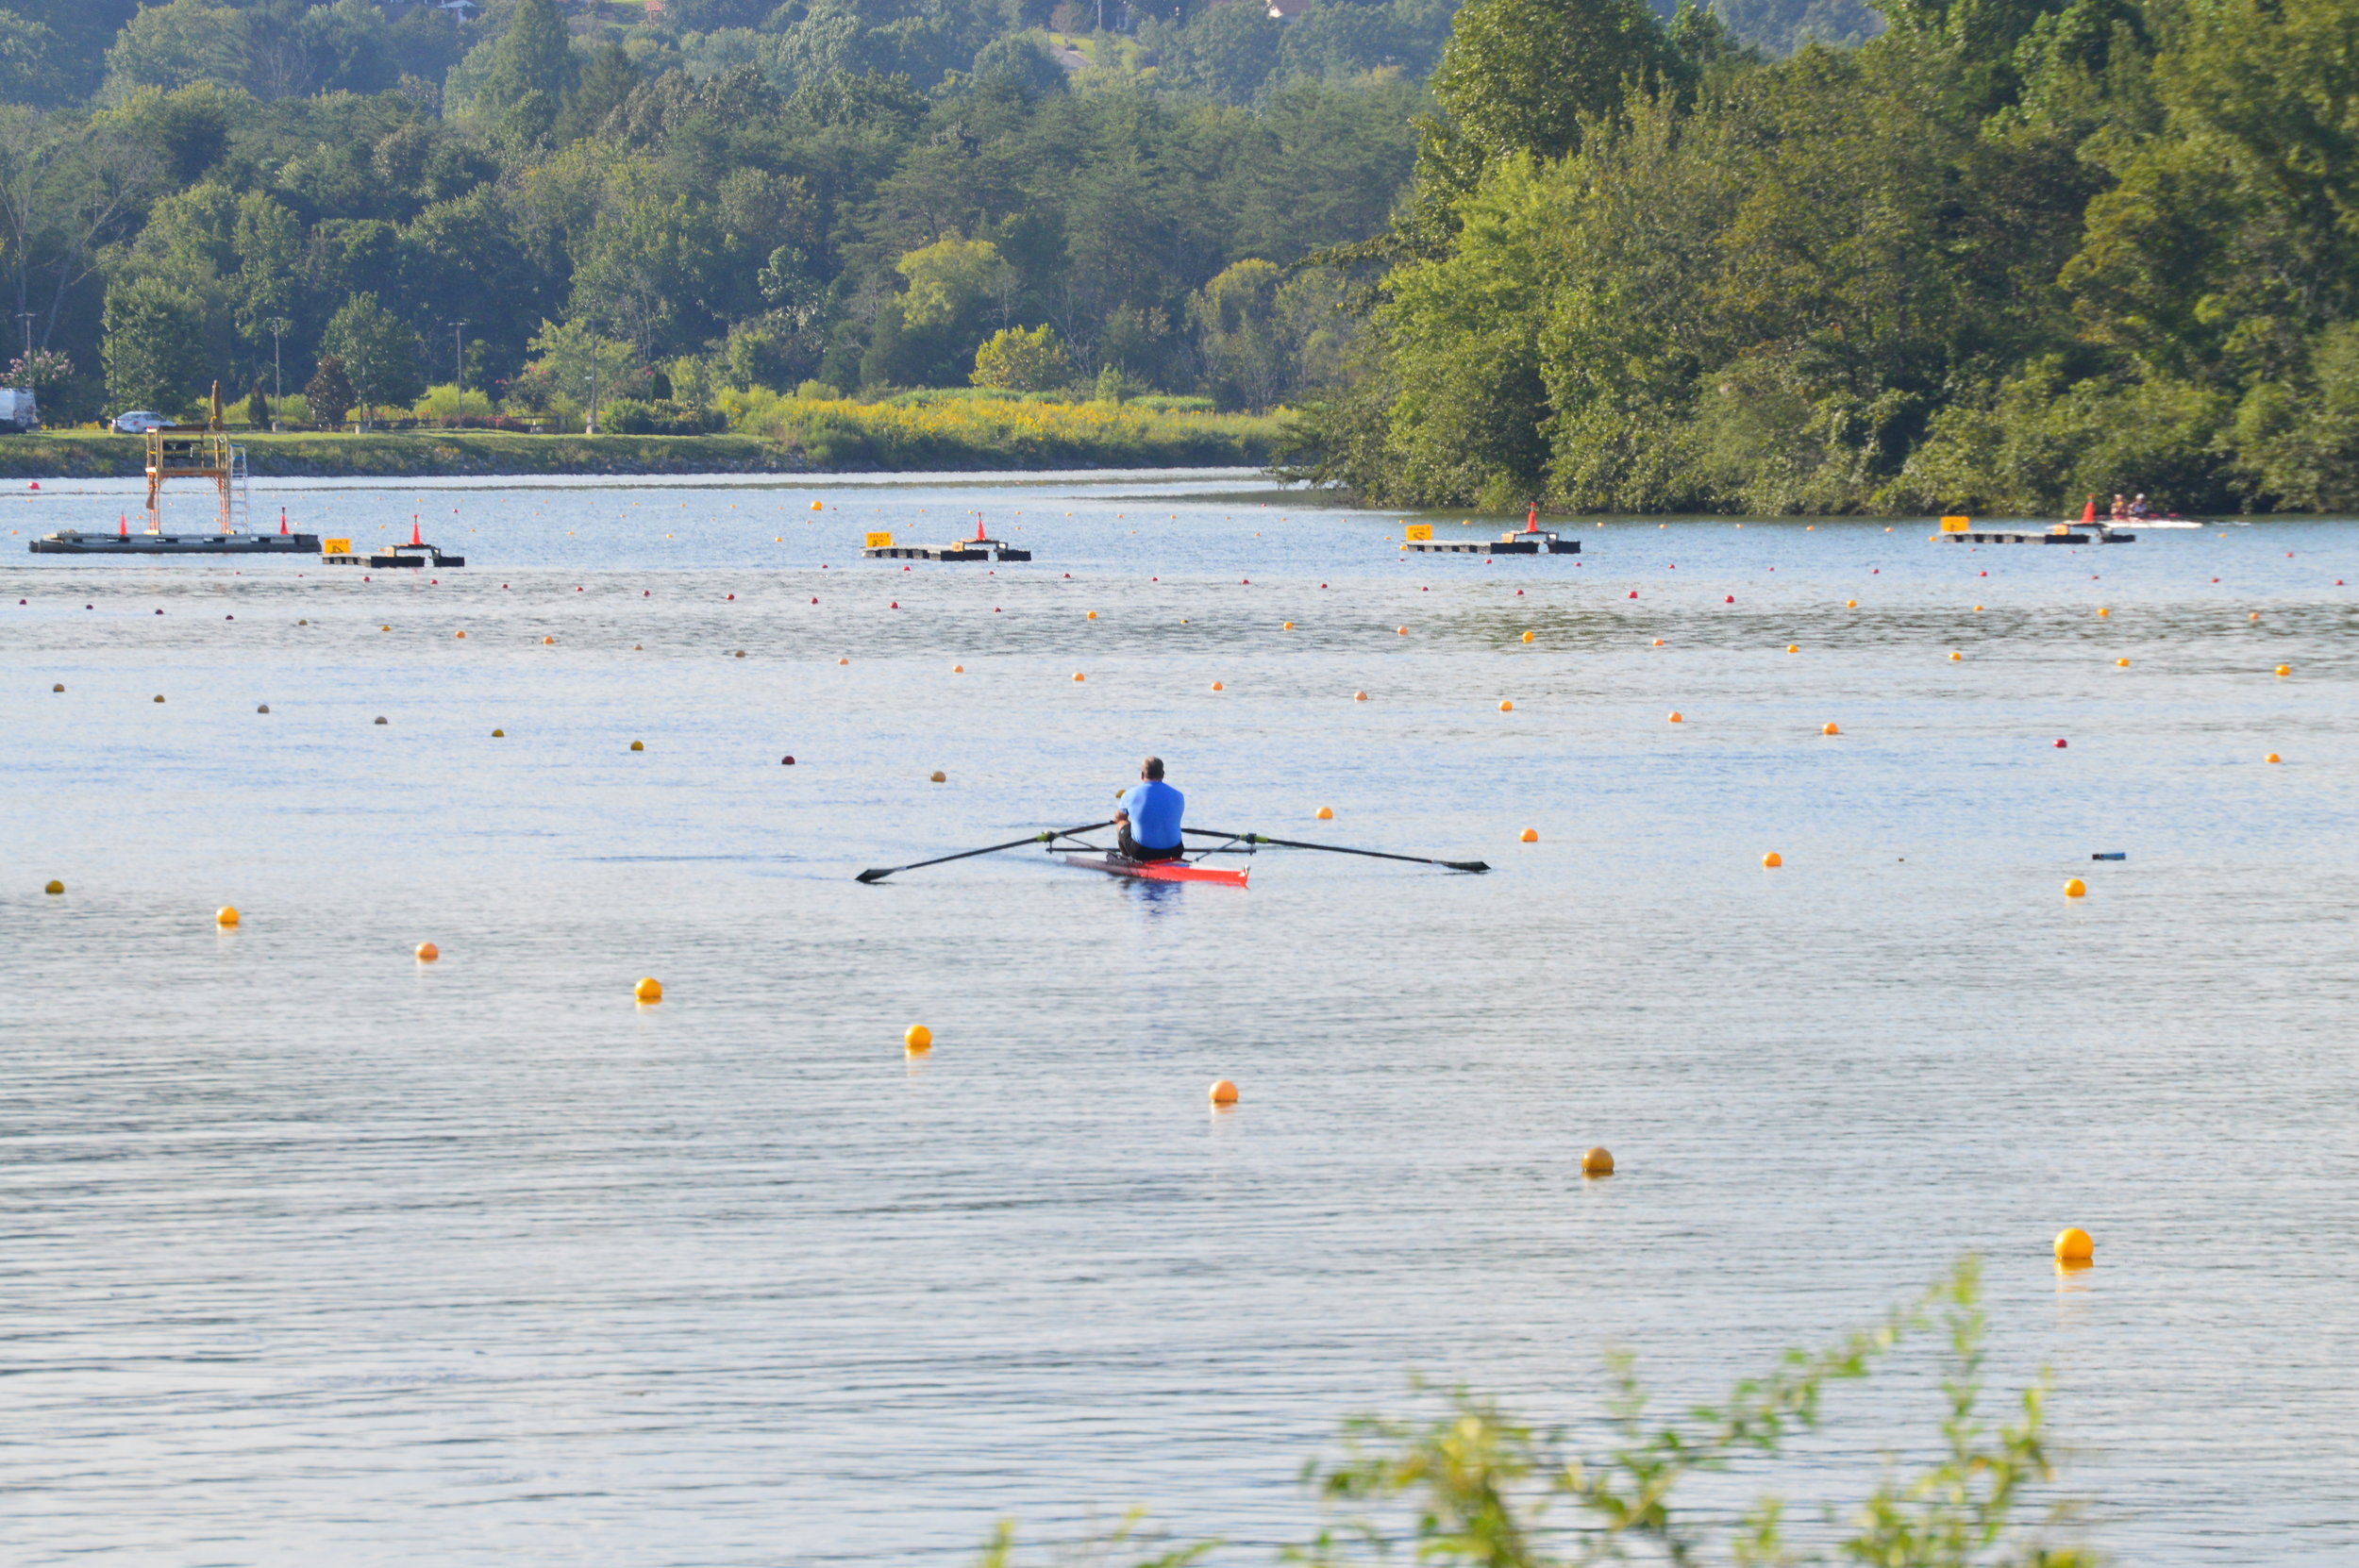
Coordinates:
[1156,870]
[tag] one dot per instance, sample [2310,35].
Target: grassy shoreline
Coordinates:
[815,438]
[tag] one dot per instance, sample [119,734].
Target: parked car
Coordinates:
[17,413]
[140,421]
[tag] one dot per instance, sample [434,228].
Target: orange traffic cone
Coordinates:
[1531,523]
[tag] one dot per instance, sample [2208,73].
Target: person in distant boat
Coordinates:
[1147,827]
[2121,508]
[2138,509]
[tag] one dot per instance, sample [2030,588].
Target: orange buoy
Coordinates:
[1506,707]
[1529,835]
[1224,1093]
[2272,757]
[917,1039]
[1077,675]
[1773,859]
[428,952]
[226,915]
[649,990]
[2073,1246]
[2075,888]
[1677,717]
[1597,1162]
[1359,696]
[1216,685]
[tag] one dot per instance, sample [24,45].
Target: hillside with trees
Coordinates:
[2005,255]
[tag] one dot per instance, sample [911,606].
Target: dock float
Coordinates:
[416,553]
[1531,540]
[981,547]
[1960,531]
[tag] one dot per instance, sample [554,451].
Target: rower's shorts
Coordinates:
[1130,849]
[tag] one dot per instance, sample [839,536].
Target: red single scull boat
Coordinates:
[1155,871]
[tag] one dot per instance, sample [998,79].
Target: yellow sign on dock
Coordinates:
[335,547]
[1956,524]
[880,541]
[1420,530]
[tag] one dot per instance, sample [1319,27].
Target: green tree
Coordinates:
[1019,359]
[953,282]
[531,74]
[379,352]
[583,363]
[329,394]
[155,352]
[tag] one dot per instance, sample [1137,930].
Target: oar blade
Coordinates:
[1465,865]
[876,874]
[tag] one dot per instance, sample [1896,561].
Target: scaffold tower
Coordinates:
[197,452]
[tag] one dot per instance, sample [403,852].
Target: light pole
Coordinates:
[277,372]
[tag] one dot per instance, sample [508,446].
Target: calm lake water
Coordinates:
[316,1254]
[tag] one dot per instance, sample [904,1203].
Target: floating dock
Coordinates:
[1961,530]
[74,541]
[981,547]
[417,552]
[1531,540]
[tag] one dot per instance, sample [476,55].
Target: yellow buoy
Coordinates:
[1325,813]
[1793,647]
[226,915]
[1359,696]
[499,735]
[2073,1246]
[1526,636]
[1224,1093]
[816,507]
[1850,603]
[1773,859]
[939,778]
[1529,835]
[1829,729]
[59,687]
[1506,707]
[54,888]
[2102,612]
[2282,669]
[649,990]
[1955,656]
[638,746]
[917,1038]
[2272,757]
[2121,664]
[159,697]
[2075,888]
[428,952]
[1978,609]
[1597,1162]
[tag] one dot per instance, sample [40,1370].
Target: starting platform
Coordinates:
[981,547]
[417,552]
[1531,540]
[1961,530]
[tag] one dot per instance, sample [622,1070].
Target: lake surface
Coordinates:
[318,1254]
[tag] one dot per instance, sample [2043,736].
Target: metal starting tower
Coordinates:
[198,452]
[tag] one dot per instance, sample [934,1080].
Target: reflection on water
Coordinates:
[321,1254]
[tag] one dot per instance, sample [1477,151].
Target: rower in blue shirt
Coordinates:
[1147,827]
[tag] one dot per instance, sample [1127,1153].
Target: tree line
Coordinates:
[2006,255]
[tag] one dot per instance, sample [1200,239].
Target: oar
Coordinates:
[1338,849]
[881,872]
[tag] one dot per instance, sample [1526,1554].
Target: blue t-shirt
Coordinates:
[1155,809]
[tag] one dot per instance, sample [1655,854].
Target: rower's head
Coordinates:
[1151,768]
